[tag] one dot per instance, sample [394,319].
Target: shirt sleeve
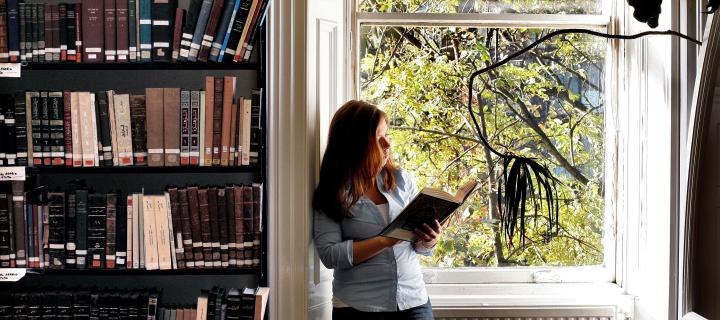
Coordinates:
[422,250]
[334,253]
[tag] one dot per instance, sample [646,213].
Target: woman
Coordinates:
[359,193]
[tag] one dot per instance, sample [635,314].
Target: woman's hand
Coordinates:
[428,235]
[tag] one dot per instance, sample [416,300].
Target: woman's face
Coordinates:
[383,140]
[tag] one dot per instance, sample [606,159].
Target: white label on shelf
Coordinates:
[12,274]
[12,173]
[10,70]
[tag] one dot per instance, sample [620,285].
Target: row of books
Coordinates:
[129,31]
[190,227]
[79,304]
[233,303]
[214,304]
[164,127]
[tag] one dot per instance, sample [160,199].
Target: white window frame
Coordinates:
[441,280]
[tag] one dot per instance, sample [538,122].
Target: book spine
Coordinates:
[214,229]
[192,193]
[22,19]
[185,127]
[226,203]
[123,129]
[178,248]
[45,128]
[10,141]
[4,50]
[220,211]
[13,30]
[20,223]
[68,128]
[162,13]
[79,45]
[5,200]
[122,226]
[56,238]
[132,31]
[245,133]
[186,227]
[194,127]
[93,31]
[228,94]
[113,128]
[228,14]
[76,135]
[131,228]
[200,25]
[62,30]
[35,135]
[86,108]
[71,33]
[248,233]
[209,120]
[40,32]
[155,126]
[234,139]
[210,29]
[122,27]
[256,129]
[177,33]
[217,120]
[205,228]
[70,230]
[239,225]
[106,146]
[21,129]
[137,122]
[55,27]
[145,27]
[96,229]
[110,229]
[189,29]
[201,133]
[110,49]
[250,25]
[171,109]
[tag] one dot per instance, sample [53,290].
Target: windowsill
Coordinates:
[529,295]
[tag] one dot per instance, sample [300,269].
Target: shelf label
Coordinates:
[12,173]
[12,274]
[9,70]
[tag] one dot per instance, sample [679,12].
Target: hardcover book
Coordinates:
[428,205]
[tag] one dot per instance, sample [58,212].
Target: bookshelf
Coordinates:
[178,287]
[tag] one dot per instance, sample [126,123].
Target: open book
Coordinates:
[429,204]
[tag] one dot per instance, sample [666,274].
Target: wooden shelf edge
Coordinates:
[142,66]
[141,272]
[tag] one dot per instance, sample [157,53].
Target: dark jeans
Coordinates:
[423,312]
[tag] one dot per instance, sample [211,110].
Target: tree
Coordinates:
[547,105]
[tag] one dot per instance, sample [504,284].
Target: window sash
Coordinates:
[585,274]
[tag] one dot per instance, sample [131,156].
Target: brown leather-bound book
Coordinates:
[214,228]
[226,205]
[19,223]
[221,212]
[196,231]
[239,225]
[177,31]
[138,124]
[122,40]
[248,233]
[79,45]
[110,43]
[155,126]
[171,105]
[210,29]
[67,126]
[186,225]
[217,120]
[233,134]
[177,227]
[257,222]
[205,228]
[208,133]
[228,94]
[93,31]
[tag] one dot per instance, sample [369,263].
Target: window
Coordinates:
[413,60]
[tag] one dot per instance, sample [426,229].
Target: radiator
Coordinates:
[556,313]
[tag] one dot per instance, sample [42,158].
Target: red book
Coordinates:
[177,31]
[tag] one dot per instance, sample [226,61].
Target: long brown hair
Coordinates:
[352,159]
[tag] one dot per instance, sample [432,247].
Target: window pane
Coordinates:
[483,6]
[546,104]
